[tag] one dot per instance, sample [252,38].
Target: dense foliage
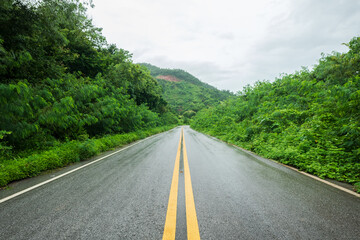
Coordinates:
[61,81]
[189,95]
[310,119]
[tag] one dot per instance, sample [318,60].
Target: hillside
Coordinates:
[178,73]
[310,119]
[185,94]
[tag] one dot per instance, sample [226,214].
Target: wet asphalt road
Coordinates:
[125,196]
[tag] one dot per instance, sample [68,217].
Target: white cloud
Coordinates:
[229,43]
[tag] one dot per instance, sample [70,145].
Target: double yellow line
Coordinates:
[191,219]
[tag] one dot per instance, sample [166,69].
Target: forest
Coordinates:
[189,95]
[65,93]
[309,119]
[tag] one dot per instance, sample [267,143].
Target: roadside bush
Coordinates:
[309,120]
[357,187]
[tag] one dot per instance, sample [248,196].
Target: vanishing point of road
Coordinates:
[178,184]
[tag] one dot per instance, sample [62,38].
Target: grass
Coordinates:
[66,153]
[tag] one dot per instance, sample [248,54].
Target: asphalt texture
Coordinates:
[125,196]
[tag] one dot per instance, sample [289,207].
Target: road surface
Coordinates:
[215,190]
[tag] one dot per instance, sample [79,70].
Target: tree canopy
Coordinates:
[60,80]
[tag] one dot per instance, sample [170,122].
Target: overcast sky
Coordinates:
[229,43]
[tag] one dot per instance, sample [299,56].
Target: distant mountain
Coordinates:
[178,73]
[185,93]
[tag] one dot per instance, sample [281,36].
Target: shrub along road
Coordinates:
[126,196]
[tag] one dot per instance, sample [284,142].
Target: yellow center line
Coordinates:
[191,219]
[170,222]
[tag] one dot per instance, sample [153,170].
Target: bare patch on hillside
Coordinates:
[169,78]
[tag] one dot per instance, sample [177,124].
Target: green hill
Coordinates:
[185,94]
